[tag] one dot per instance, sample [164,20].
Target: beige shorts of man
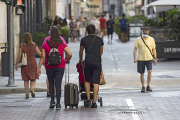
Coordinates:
[103,30]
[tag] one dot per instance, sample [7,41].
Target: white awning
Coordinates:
[162,5]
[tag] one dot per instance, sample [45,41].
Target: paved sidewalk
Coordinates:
[118,104]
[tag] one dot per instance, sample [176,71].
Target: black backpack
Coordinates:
[54,57]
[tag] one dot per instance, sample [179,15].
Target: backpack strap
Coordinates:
[57,45]
[48,42]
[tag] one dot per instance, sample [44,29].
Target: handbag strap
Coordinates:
[22,48]
[91,43]
[147,46]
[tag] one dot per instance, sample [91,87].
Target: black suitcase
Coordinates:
[71,97]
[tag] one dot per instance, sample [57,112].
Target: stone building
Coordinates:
[3,29]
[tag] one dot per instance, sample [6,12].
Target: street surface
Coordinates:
[122,99]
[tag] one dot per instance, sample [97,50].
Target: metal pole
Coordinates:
[10,36]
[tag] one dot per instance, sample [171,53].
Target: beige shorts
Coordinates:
[103,30]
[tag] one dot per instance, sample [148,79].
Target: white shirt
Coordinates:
[96,23]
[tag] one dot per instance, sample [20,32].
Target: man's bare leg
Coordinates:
[149,77]
[95,91]
[87,87]
[108,39]
[122,37]
[142,79]
[111,38]
[125,37]
[102,35]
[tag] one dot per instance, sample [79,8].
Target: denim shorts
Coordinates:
[142,64]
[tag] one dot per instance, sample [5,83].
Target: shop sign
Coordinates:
[171,50]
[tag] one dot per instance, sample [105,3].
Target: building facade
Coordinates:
[91,8]
[3,29]
[132,7]
[113,7]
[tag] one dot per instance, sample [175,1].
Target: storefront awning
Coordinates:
[162,5]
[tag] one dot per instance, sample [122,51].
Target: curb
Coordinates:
[20,90]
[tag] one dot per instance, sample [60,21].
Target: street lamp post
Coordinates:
[10,35]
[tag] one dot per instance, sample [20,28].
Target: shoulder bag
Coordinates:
[23,60]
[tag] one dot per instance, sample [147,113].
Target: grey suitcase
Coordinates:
[71,96]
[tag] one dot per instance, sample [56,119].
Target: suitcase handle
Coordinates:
[66,74]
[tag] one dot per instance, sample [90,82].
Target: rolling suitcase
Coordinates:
[71,97]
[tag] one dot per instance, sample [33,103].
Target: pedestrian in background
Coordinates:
[59,25]
[124,27]
[110,28]
[96,23]
[102,25]
[82,28]
[87,23]
[146,51]
[107,16]
[56,22]
[92,63]
[54,72]
[78,28]
[73,27]
[64,23]
[28,72]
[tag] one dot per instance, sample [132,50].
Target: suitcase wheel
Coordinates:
[84,103]
[101,103]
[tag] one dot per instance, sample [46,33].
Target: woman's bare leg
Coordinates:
[26,85]
[32,84]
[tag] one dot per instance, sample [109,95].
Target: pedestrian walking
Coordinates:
[87,23]
[96,23]
[46,39]
[93,46]
[52,51]
[28,72]
[110,28]
[146,55]
[102,25]
[107,16]
[124,27]
[56,21]
[78,31]
[73,27]
[82,28]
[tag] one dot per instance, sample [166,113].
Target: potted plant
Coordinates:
[65,33]
[38,38]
